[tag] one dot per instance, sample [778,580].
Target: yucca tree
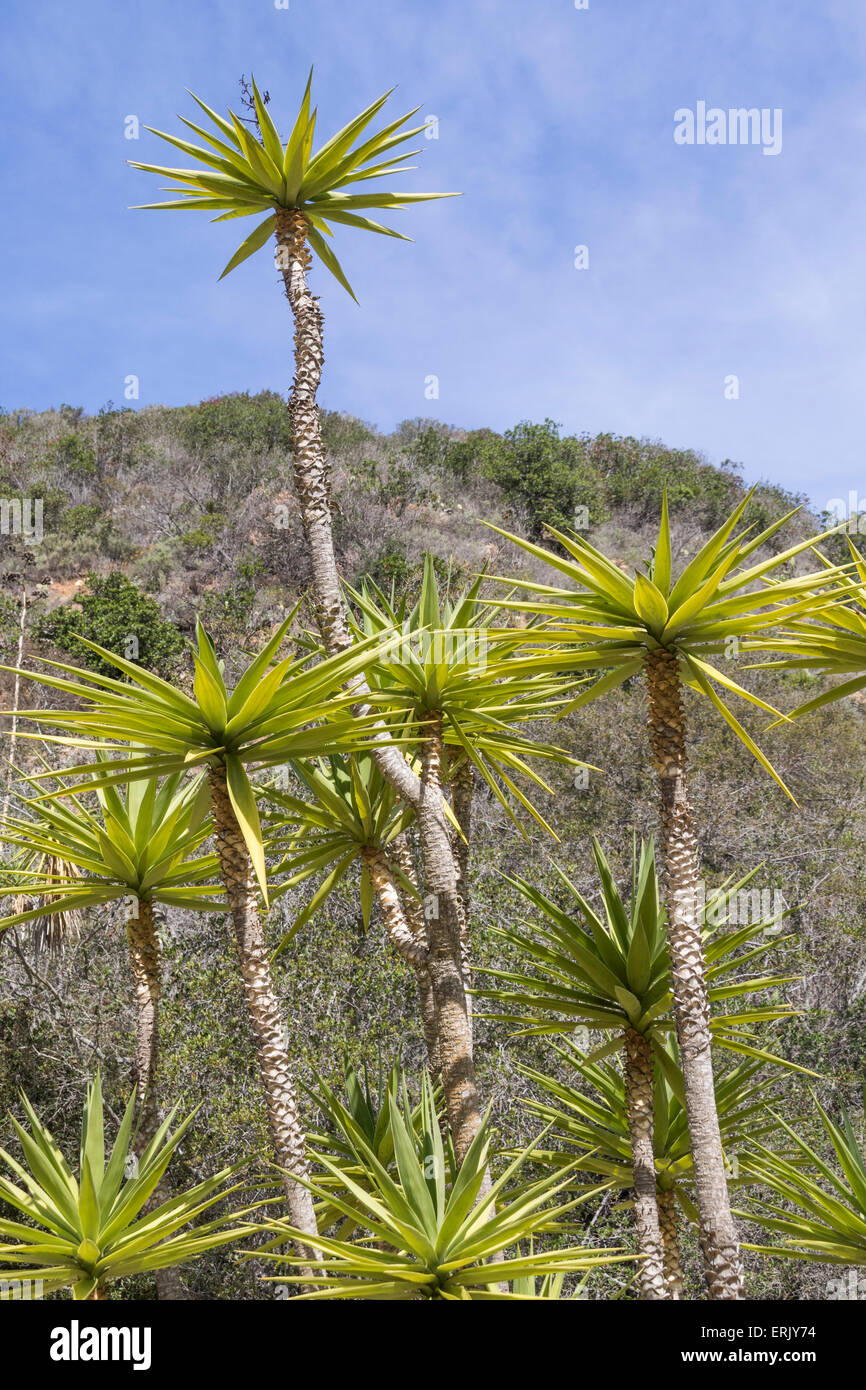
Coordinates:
[590,1116]
[138,847]
[239,174]
[351,816]
[84,1233]
[620,970]
[304,193]
[428,1237]
[671,629]
[613,972]
[456,669]
[828,1221]
[278,709]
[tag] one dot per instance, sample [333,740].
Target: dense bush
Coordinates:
[115,614]
[550,477]
[72,454]
[546,476]
[342,433]
[259,422]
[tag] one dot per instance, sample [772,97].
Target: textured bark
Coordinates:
[444,928]
[312,477]
[400,853]
[718,1233]
[284,1123]
[144,956]
[639,1110]
[312,484]
[400,935]
[462,792]
[669,1219]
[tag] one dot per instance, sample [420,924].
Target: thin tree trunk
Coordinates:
[312,483]
[144,955]
[400,853]
[400,935]
[284,1123]
[669,1219]
[718,1233]
[313,480]
[146,973]
[639,1093]
[444,926]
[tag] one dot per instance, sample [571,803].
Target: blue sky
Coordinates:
[704,262]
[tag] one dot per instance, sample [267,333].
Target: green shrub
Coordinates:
[636,473]
[112,612]
[342,433]
[72,454]
[260,422]
[550,477]
[429,447]
[474,456]
[85,519]
[389,566]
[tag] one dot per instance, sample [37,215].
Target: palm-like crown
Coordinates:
[142,842]
[454,661]
[84,1233]
[603,620]
[239,175]
[613,971]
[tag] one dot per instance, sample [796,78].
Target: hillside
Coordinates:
[154,517]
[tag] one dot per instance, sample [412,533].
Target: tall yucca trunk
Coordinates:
[312,483]
[639,1093]
[411,945]
[671,1236]
[445,934]
[284,1123]
[718,1234]
[144,953]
